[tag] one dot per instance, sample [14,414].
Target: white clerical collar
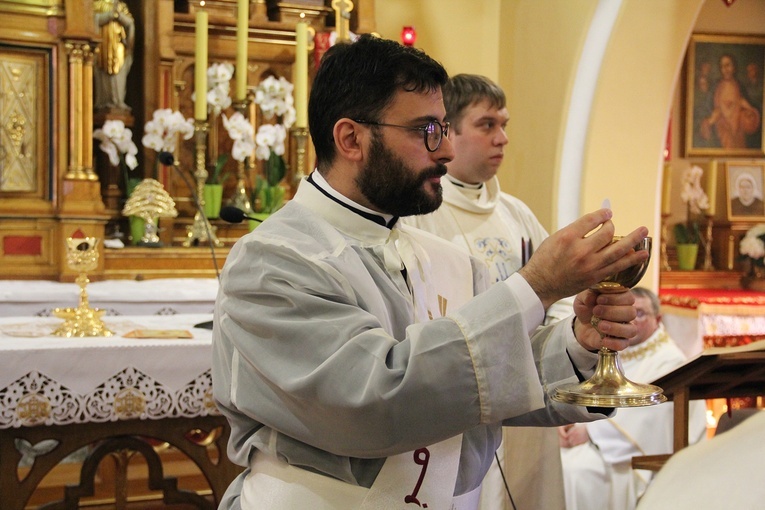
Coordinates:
[465,185]
[322,183]
[472,192]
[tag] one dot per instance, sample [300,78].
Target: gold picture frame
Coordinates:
[724,96]
[744,184]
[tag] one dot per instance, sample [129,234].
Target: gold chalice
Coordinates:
[83,321]
[608,387]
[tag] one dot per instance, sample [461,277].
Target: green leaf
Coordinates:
[275,169]
[215,177]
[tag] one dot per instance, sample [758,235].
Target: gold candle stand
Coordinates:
[201,230]
[83,321]
[241,198]
[664,262]
[301,140]
[708,266]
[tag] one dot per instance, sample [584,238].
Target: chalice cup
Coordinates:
[608,387]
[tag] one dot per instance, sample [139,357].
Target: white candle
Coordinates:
[200,67]
[301,73]
[242,28]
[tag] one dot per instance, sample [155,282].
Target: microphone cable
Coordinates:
[504,480]
[168,159]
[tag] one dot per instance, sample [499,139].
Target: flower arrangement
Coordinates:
[218,87]
[117,142]
[274,96]
[161,132]
[241,132]
[696,201]
[753,245]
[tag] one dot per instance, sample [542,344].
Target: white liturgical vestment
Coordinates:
[494,227]
[724,472]
[598,474]
[319,361]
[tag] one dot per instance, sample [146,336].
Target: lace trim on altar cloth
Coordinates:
[36,399]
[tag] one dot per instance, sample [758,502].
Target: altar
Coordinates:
[108,393]
[701,318]
[162,296]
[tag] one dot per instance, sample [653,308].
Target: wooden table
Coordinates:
[112,394]
[716,373]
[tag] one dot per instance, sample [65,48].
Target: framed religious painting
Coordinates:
[724,92]
[744,187]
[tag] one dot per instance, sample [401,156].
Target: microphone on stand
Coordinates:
[232,214]
[167,159]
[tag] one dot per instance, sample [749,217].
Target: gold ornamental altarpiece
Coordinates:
[55,182]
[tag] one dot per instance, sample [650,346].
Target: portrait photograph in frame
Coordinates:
[744,183]
[724,96]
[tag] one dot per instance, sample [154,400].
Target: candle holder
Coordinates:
[664,259]
[201,230]
[300,134]
[708,265]
[241,198]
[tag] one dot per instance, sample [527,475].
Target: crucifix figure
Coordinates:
[343,10]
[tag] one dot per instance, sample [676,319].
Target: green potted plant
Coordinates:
[688,233]
[268,195]
[116,141]
[213,189]
[274,97]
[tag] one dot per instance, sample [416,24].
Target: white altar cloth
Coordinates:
[164,296]
[50,380]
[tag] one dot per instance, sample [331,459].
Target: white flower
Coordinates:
[274,96]
[161,132]
[218,99]
[219,77]
[753,245]
[692,193]
[117,140]
[219,73]
[270,138]
[241,132]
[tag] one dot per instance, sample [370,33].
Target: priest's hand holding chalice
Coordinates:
[587,255]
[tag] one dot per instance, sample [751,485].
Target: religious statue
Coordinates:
[117,28]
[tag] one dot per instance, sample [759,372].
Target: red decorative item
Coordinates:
[728,3]
[408,36]
[320,46]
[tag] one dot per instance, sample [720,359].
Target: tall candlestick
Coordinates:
[242,28]
[666,189]
[301,73]
[711,187]
[200,67]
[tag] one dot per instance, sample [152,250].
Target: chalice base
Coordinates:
[609,388]
[81,322]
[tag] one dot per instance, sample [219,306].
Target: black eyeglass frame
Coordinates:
[426,130]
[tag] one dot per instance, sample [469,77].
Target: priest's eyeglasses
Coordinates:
[433,132]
